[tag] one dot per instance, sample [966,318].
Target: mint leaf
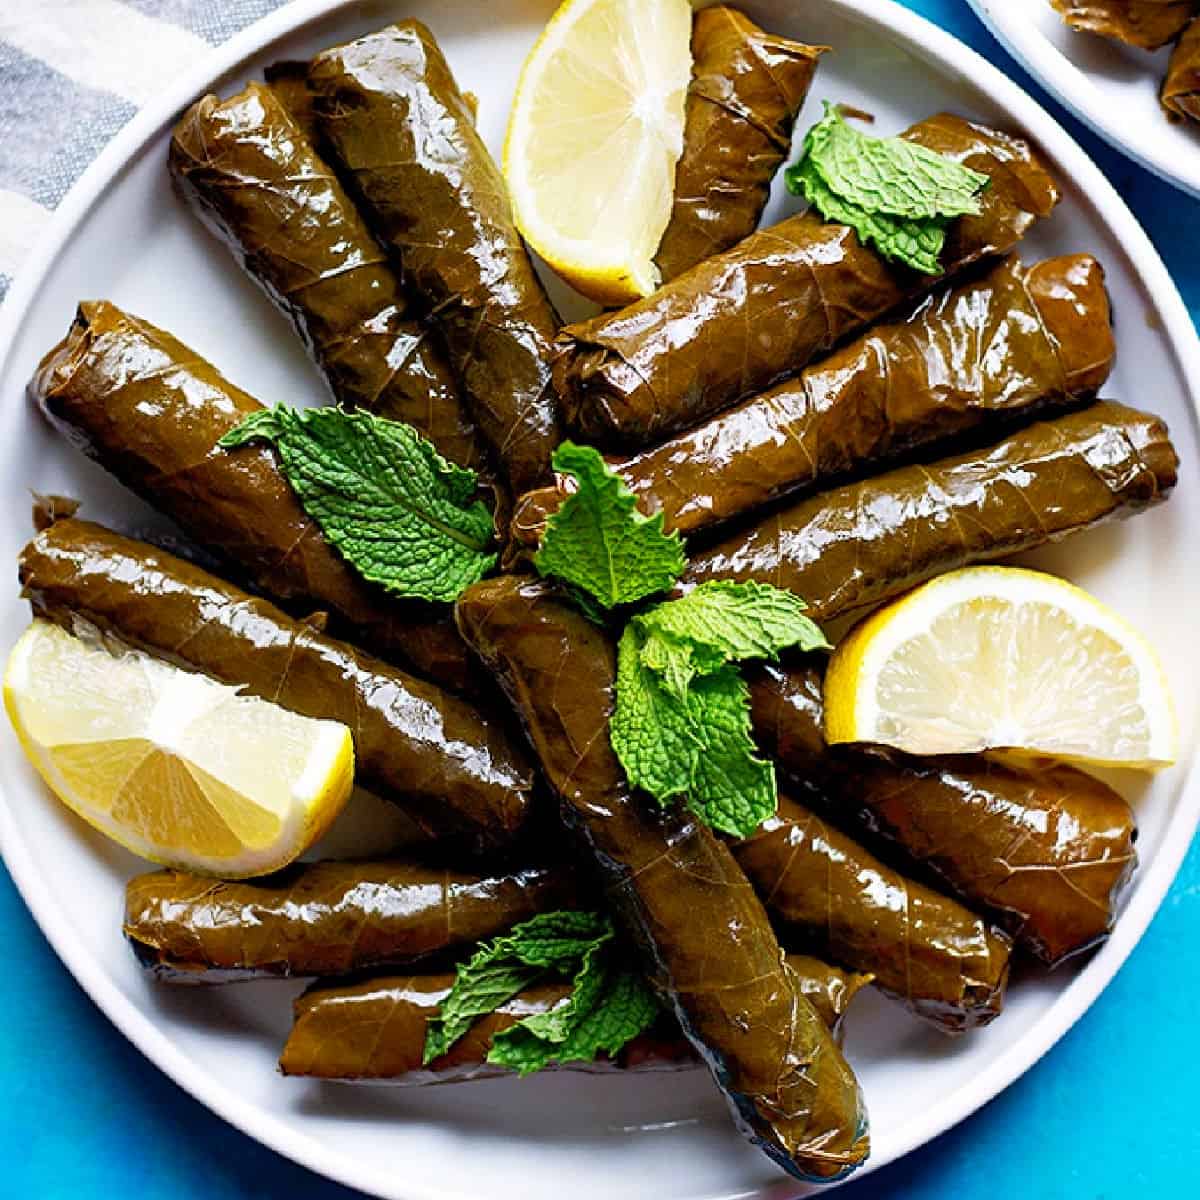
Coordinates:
[890,175]
[400,514]
[728,622]
[609,1007]
[733,790]
[675,661]
[696,745]
[506,965]
[264,424]
[898,196]
[556,1024]
[479,989]
[915,243]
[609,1004]
[651,729]
[599,542]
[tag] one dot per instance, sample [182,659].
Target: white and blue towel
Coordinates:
[72,72]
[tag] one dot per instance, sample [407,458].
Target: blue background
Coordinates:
[1109,1112]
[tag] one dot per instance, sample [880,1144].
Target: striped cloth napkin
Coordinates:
[72,72]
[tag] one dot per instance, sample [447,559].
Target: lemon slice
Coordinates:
[595,132]
[1002,658]
[176,767]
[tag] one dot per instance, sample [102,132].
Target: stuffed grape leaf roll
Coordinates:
[250,173]
[747,89]
[864,543]
[995,348]
[374,1029]
[288,79]
[940,961]
[447,765]
[741,321]
[392,113]
[325,918]
[151,411]
[1145,23]
[1045,851]
[1181,88]
[706,942]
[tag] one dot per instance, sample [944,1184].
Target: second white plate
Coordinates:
[1112,88]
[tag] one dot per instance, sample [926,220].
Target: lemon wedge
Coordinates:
[1003,658]
[174,766]
[595,132]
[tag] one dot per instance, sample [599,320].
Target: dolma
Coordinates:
[289,81]
[1045,851]
[324,918]
[391,111]
[992,349]
[738,323]
[247,169]
[706,942]
[925,950]
[864,543]
[1145,23]
[447,765]
[1181,88]
[151,411]
[374,1029]
[747,90]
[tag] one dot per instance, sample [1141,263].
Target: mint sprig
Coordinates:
[400,514]
[598,542]
[651,729]
[681,723]
[915,243]
[897,195]
[610,1002]
[694,747]
[609,1006]
[724,621]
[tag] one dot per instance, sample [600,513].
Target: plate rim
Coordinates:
[955,58]
[1074,88]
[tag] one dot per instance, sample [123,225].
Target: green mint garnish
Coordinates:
[681,724]
[610,1005]
[610,1002]
[898,196]
[915,243]
[651,728]
[599,542]
[696,747]
[722,622]
[400,514]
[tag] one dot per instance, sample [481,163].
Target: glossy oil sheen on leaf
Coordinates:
[400,514]
[599,542]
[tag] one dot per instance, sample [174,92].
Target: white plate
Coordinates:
[121,234]
[1112,87]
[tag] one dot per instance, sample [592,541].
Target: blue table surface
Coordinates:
[1105,1114]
